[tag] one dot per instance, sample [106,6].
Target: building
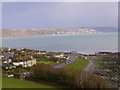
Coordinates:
[59,56]
[25,63]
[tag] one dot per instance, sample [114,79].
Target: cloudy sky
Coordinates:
[59,14]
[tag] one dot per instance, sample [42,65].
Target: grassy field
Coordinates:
[46,62]
[79,64]
[17,83]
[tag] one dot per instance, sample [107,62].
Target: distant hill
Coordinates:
[44,31]
[53,31]
[106,29]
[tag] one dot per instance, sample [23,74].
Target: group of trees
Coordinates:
[20,58]
[64,77]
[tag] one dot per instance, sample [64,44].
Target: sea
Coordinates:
[83,43]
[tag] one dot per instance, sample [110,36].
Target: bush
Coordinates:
[65,77]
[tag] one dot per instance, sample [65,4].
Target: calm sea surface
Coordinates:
[85,43]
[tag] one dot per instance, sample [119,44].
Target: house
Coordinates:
[9,49]
[11,75]
[8,55]
[43,53]
[8,61]
[59,56]
[25,63]
[85,57]
[1,57]
[6,66]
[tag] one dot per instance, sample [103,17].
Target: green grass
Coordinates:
[17,83]
[79,64]
[42,58]
[46,62]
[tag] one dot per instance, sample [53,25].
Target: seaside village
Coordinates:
[16,62]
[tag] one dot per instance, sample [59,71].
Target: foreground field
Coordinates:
[79,64]
[17,83]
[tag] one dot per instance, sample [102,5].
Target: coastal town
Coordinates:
[13,58]
[46,31]
[59,45]
[16,63]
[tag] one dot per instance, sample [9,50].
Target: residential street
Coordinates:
[70,60]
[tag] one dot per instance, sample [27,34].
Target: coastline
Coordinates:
[56,35]
[60,43]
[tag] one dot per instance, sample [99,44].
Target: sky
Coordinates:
[59,14]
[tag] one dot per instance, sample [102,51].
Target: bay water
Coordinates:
[83,43]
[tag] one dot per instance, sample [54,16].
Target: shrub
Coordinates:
[65,77]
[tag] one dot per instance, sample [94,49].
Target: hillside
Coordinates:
[44,31]
[53,31]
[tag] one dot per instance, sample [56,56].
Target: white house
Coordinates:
[43,53]
[16,63]
[27,63]
[10,75]
[85,57]
[59,56]
[1,57]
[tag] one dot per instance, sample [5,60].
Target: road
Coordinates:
[70,60]
[89,67]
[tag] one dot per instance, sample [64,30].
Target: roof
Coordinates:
[5,65]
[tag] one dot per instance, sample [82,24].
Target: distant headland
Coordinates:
[6,33]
